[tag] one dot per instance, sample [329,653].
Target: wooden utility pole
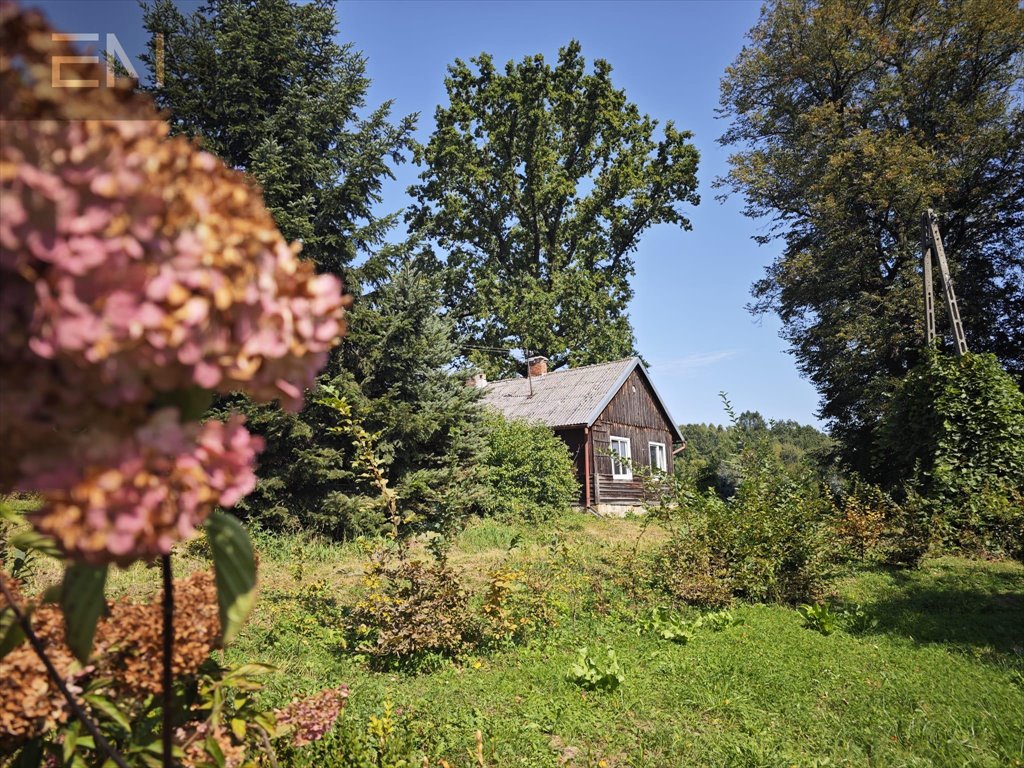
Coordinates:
[932,248]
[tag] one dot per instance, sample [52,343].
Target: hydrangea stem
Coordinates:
[76,709]
[168,678]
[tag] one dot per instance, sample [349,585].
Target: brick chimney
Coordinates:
[537,366]
[477,381]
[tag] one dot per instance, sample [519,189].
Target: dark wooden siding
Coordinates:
[632,413]
[575,439]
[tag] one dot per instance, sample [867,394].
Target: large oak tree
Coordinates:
[538,182]
[849,119]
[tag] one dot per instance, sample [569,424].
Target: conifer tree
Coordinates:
[264,85]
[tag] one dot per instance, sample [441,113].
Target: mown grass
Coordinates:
[938,681]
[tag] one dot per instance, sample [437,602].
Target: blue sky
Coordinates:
[691,287]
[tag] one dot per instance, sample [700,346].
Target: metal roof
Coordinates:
[568,398]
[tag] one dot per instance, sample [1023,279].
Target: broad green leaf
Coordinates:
[238,728]
[82,602]
[214,750]
[11,633]
[108,709]
[30,539]
[70,741]
[248,672]
[51,594]
[235,568]
[10,514]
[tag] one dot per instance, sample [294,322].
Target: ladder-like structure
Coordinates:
[931,244]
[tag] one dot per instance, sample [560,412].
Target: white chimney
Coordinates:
[477,381]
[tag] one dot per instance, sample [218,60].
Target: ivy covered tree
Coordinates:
[264,85]
[538,182]
[954,433]
[848,120]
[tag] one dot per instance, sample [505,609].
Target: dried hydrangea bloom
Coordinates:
[127,652]
[308,720]
[30,703]
[129,642]
[133,268]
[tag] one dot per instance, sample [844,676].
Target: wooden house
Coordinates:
[611,417]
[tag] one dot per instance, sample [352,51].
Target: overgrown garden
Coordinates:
[180,412]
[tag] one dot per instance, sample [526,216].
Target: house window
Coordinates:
[659,461]
[621,468]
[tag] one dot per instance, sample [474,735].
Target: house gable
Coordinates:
[636,401]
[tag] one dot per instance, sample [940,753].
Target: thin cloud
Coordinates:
[689,363]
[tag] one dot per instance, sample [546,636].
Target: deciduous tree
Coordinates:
[538,182]
[849,119]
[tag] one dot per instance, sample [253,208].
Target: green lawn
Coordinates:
[938,681]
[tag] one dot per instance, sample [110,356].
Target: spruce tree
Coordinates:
[264,85]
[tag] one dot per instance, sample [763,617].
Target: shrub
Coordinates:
[865,514]
[954,431]
[516,605]
[383,740]
[528,472]
[772,541]
[410,612]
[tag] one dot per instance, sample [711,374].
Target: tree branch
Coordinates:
[168,677]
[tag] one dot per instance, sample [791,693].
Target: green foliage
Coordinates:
[595,673]
[955,431]
[664,623]
[819,617]
[772,541]
[718,621]
[710,460]
[848,120]
[528,472]
[538,182]
[266,87]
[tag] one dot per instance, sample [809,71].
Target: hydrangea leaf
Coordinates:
[235,569]
[82,602]
[11,633]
